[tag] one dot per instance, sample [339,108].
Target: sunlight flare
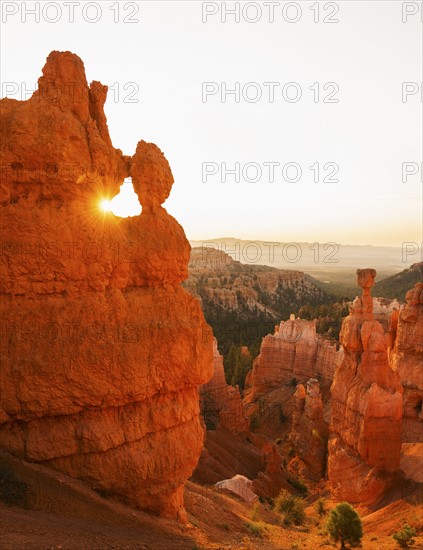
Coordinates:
[125,203]
[106,205]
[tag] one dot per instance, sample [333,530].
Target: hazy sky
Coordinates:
[170,52]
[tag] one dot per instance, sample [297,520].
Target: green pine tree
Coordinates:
[344,526]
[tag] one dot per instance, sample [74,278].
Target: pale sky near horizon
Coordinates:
[369,133]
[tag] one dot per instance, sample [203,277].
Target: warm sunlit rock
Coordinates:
[293,354]
[102,351]
[366,421]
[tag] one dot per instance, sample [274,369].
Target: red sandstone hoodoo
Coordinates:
[102,350]
[366,421]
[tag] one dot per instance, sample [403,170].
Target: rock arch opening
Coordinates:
[125,203]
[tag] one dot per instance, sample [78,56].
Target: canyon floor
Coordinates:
[58,512]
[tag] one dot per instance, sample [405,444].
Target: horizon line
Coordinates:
[306,241]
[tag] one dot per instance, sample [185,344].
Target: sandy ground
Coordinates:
[62,513]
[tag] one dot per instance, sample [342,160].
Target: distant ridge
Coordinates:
[313,257]
[243,302]
[398,285]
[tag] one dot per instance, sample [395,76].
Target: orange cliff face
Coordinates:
[102,351]
[366,421]
[294,353]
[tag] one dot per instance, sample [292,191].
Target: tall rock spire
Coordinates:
[366,422]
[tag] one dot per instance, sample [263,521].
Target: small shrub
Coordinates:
[405,536]
[294,382]
[255,528]
[225,526]
[291,507]
[266,500]
[254,514]
[323,532]
[291,451]
[321,506]
[278,440]
[299,485]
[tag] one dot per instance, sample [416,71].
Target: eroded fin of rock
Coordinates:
[102,350]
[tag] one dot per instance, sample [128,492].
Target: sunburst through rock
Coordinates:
[125,203]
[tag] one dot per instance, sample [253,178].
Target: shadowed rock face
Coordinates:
[366,422]
[309,430]
[221,404]
[102,351]
[407,359]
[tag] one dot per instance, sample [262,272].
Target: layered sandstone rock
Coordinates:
[257,293]
[208,258]
[329,357]
[309,430]
[102,351]
[366,422]
[383,310]
[293,354]
[407,359]
[221,404]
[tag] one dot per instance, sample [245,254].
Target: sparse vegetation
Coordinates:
[267,500]
[329,316]
[320,506]
[399,284]
[255,512]
[344,526]
[405,536]
[291,507]
[298,484]
[256,528]
[237,365]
